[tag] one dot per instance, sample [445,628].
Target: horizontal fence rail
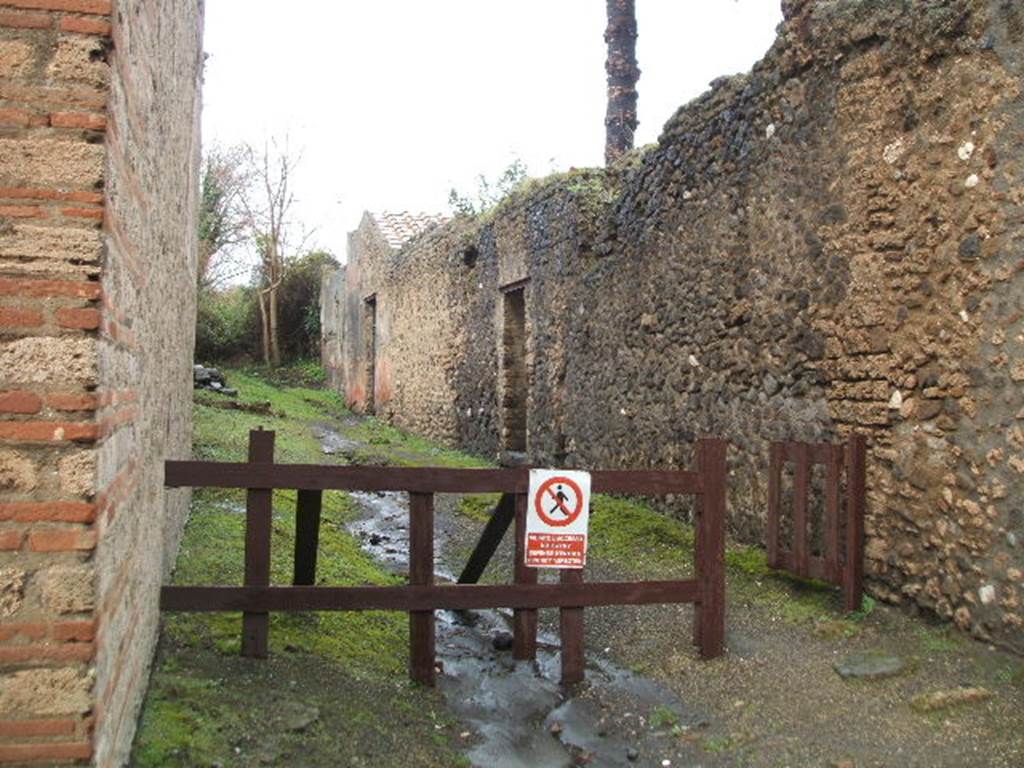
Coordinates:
[256,599]
[313,477]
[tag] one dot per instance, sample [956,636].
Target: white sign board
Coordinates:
[557,516]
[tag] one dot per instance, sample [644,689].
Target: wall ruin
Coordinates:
[99,149]
[828,244]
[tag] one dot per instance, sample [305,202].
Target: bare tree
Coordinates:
[620,120]
[268,201]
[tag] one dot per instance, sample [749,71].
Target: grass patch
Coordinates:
[663,717]
[206,706]
[638,539]
[403,449]
[478,506]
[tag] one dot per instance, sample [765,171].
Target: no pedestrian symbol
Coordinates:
[556,518]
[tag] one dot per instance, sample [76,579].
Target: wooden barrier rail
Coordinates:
[256,598]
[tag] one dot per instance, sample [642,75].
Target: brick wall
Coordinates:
[831,243]
[98,180]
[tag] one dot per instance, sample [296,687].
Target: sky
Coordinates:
[392,103]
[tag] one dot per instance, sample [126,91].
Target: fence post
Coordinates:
[258,514]
[421,573]
[853,568]
[570,622]
[308,505]
[710,627]
[524,620]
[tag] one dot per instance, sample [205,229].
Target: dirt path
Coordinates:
[775,699]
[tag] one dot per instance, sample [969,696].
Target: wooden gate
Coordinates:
[260,476]
[840,559]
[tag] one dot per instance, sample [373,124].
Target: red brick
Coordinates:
[48,511]
[21,118]
[22,193]
[48,288]
[25,318]
[35,631]
[26,20]
[11,540]
[85,26]
[66,631]
[89,120]
[85,319]
[43,753]
[72,401]
[85,98]
[100,7]
[20,654]
[84,213]
[23,212]
[48,431]
[20,402]
[30,729]
[62,540]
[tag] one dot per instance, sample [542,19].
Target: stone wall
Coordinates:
[98,187]
[828,244]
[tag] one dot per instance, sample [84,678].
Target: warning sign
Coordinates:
[557,516]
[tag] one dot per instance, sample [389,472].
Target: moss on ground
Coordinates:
[206,706]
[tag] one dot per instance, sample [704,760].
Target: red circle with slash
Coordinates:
[547,495]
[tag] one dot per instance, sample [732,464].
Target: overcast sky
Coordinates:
[394,102]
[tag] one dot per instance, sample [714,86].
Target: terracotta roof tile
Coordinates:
[398,228]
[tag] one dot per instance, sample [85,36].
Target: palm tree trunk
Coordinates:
[620,120]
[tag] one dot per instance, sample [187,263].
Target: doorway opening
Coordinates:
[515,383]
[370,351]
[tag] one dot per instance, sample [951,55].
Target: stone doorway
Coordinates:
[514,379]
[370,350]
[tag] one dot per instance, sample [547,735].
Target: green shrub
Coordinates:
[227,324]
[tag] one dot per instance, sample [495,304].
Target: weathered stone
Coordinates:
[12,587]
[78,473]
[869,666]
[81,59]
[933,700]
[50,359]
[37,692]
[68,588]
[51,162]
[17,472]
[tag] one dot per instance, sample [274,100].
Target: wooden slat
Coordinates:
[413,598]
[501,518]
[258,515]
[775,461]
[524,620]
[853,569]
[421,573]
[830,532]
[570,620]
[711,463]
[208,474]
[308,506]
[801,486]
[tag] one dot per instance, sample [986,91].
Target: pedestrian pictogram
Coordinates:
[557,517]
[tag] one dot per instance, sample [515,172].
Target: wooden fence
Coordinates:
[260,476]
[841,555]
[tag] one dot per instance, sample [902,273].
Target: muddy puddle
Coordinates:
[517,714]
